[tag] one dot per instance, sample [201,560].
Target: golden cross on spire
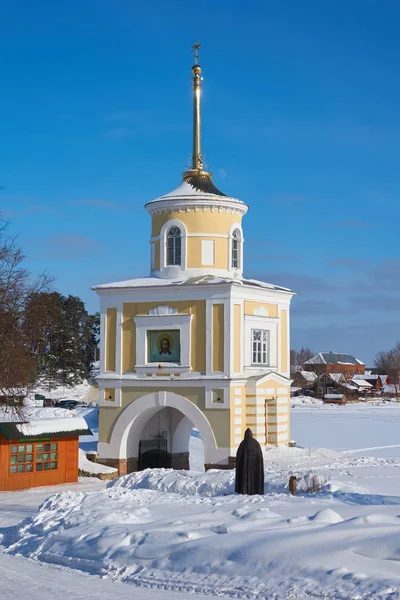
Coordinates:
[196,47]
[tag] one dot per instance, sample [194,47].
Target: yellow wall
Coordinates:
[198,330]
[156,255]
[249,308]
[236,348]
[198,221]
[284,348]
[217,337]
[111,334]
[198,336]
[128,336]
[221,251]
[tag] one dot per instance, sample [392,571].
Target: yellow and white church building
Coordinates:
[195,344]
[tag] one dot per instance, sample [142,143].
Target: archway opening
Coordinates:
[166,439]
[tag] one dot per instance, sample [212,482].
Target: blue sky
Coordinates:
[301,121]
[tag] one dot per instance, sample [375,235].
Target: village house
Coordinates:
[331,362]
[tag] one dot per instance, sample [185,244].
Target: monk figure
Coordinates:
[249,466]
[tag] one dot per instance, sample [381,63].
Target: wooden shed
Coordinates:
[40,452]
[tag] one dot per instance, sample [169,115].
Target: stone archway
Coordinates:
[123,448]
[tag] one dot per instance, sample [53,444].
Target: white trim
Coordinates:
[237,421]
[207,252]
[180,322]
[202,201]
[212,386]
[268,324]
[172,271]
[239,270]
[130,422]
[117,396]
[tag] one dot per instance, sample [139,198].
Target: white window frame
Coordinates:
[234,227]
[154,322]
[264,345]
[269,324]
[175,239]
[172,269]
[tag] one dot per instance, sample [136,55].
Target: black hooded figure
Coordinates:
[249,466]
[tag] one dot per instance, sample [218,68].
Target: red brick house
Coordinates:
[332,362]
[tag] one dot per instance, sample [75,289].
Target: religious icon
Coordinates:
[164,346]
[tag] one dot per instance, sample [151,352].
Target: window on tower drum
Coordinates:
[174,244]
[236,249]
[259,350]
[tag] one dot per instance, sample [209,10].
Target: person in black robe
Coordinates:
[249,466]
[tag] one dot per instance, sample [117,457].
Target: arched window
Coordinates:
[174,246]
[236,239]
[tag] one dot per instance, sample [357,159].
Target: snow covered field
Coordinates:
[187,531]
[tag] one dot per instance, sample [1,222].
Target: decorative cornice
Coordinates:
[179,204]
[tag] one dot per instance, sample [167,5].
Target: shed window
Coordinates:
[21,458]
[46,457]
[174,243]
[24,456]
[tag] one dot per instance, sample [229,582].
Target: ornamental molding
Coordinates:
[165,206]
[163,310]
[260,311]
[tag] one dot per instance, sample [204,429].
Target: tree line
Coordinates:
[43,335]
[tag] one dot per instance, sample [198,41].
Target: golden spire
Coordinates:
[197,176]
[197,160]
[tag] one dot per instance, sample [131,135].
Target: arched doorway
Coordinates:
[164,440]
[151,415]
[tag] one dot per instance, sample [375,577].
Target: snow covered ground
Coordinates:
[187,531]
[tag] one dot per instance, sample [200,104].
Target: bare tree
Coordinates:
[298,358]
[17,285]
[388,363]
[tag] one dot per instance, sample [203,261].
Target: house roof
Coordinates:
[365,377]
[361,383]
[308,375]
[333,358]
[338,377]
[43,428]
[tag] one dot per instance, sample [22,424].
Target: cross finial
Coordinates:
[196,47]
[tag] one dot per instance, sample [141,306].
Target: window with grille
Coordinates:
[21,460]
[46,457]
[174,241]
[236,249]
[259,338]
[26,458]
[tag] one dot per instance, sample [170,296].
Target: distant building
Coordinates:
[375,381]
[303,380]
[331,362]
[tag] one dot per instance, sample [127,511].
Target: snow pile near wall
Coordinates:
[307,400]
[186,483]
[93,468]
